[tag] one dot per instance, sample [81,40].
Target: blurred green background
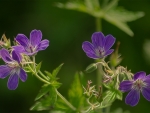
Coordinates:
[66,30]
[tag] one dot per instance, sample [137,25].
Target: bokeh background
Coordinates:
[66,30]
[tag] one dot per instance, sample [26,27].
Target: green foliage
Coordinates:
[47,96]
[110,97]
[91,68]
[53,77]
[55,72]
[45,88]
[76,92]
[119,17]
[48,101]
[110,12]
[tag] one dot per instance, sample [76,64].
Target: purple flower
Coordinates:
[140,83]
[100,46]
[12,68]
[32,46]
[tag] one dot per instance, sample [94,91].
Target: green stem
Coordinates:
[34,63]
[68,103]
[43,75]
[99,70]
[98,24]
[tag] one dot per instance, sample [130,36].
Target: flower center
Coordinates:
[100,52]
[138,84]
[13,64]
[30,49]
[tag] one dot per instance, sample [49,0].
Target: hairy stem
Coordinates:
[47,82]
[66,101]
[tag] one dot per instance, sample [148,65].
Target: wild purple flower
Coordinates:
[100,46]
[12,68]
[140,83]
[32,46]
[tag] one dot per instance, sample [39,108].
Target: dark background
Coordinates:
[66,31]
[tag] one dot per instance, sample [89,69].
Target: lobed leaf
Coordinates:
[76,92]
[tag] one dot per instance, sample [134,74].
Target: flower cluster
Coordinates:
[14,57]
[99,49]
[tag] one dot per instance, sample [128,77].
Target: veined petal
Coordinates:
[125,85]
[146,92]
[4,71]
[91,55]
[88,47]
[98,39]
[147,80]
[108,52]
[16,56]
[23,40]
[13,81]
[19,48]
[5,55]
[133,97]
[43,45]
[139,75]
[22,75]
[109,42]
[35,37]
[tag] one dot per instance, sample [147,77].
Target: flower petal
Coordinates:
[22,75]
[35,37]
[139,75]
[90,55]
[147,80]
[109,42]
[108,52]
[133,97]
[4,71]
[5,55]
[125,85]
[43,45]
[13,81]
[89,49]
[19,48]
[16,56]
[146,93]
[23,40]
[98,39]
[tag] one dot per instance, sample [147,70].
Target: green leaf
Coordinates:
[121,25]
[55,72]
[56,84]
[45,88]
[52,78]
[38,67]
[119,17]
[76,92]
[109,98]
[79,6]
[91,67]
[47,102]
[119,95]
